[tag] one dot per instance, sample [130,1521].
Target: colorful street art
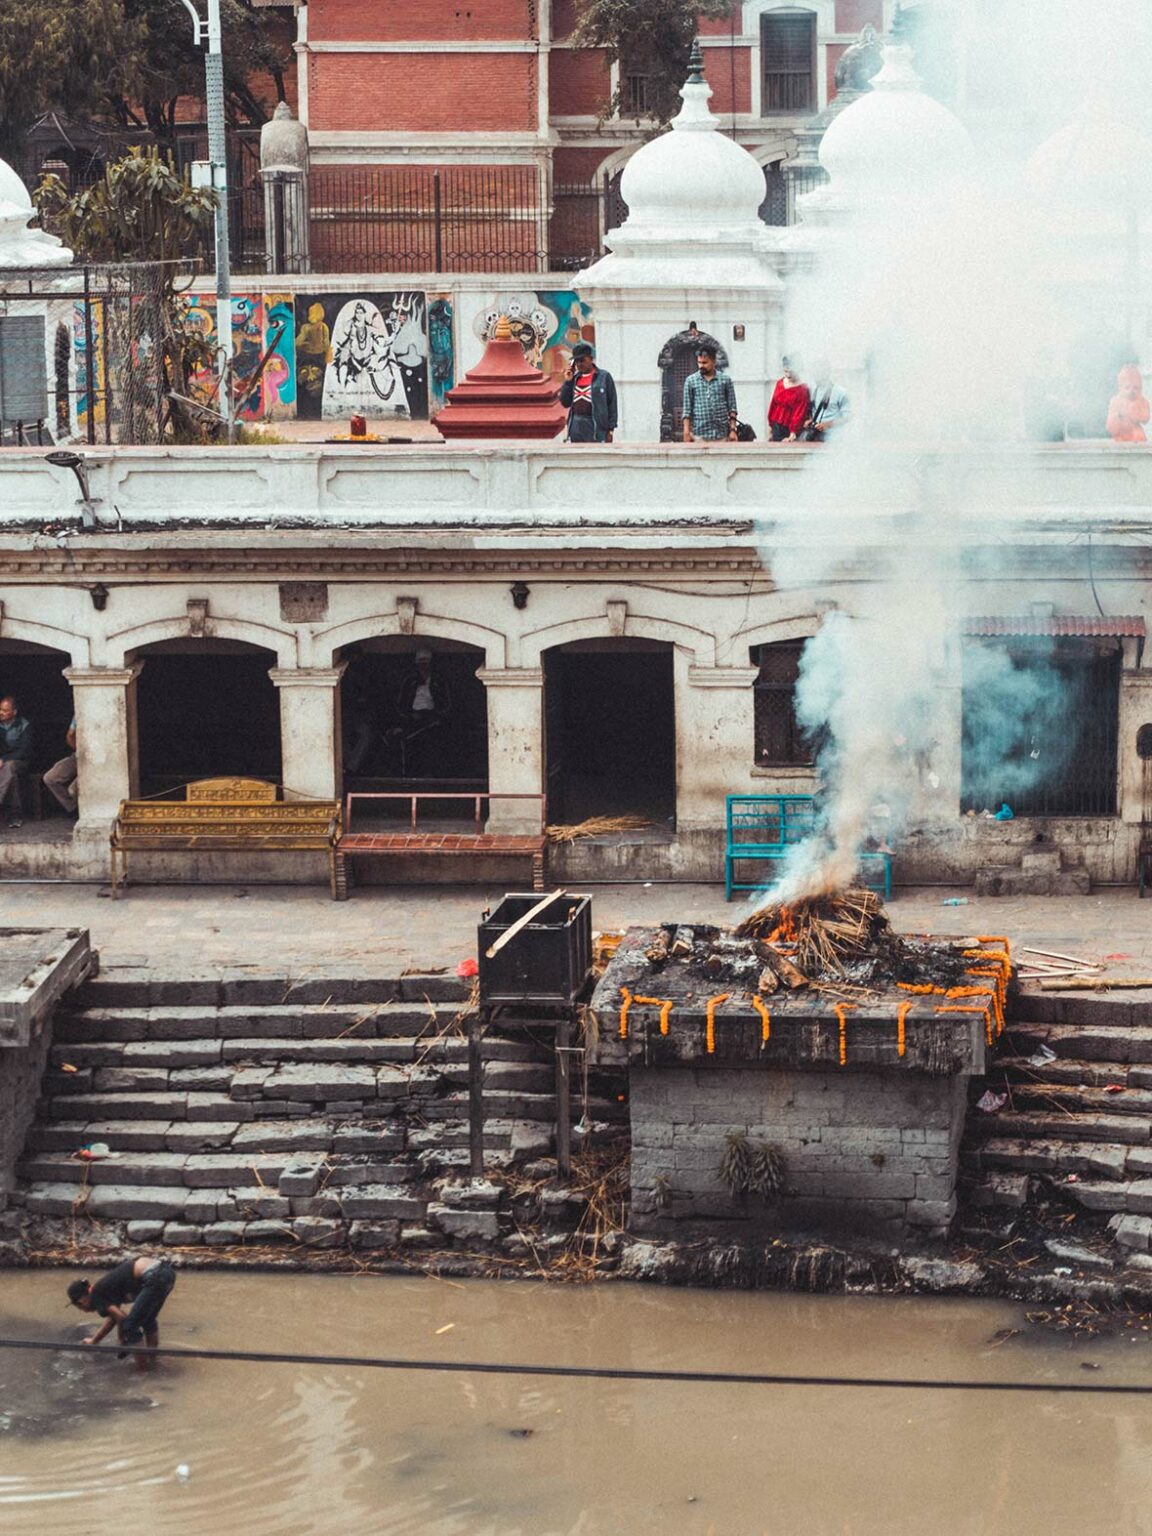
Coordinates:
[361,353]
[91,370]
[548,324]
[261,323]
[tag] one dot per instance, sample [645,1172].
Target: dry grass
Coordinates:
[823,933]
[595,826]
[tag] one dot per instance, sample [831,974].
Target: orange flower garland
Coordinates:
[842,1009]
[710,1021]
[665,1006]
[765,1020]
[624,1007]
[901,1015]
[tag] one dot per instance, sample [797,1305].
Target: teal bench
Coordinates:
[766,828]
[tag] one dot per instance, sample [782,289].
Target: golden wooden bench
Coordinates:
[224,816]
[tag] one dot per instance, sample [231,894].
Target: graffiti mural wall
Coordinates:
[548,323]
[361,353]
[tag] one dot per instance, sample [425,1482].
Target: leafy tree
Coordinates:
[57,54]
[647,37]
[127,60]
[142,210]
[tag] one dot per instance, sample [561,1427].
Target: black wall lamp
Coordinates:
[64,459]
[520,591]
[99,596]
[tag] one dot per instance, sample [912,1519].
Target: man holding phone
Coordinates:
[589,394]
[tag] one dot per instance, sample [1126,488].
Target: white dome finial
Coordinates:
[19,245]
[695,93]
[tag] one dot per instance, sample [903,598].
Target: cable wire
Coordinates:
[596,1372]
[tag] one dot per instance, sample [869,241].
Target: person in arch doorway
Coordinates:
[589,395]
[423,704]
[15,759]
[60,780]
[709,410]
[789,407]
[828,408]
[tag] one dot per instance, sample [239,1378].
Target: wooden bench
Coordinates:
[410,840]
[224,816]
[768,827]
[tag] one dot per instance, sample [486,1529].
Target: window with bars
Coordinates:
[635,95]
[780,739]
[1041,724]
[788,55]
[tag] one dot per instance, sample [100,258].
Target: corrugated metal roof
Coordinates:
[1056,625]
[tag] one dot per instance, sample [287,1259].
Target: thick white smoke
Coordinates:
[983,306]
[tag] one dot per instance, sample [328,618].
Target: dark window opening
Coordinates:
[781,741]
[1041,726]
[34,676]
[636,95]
[774,208]
[788,52]
[388,746]
[207,713]
[610,733]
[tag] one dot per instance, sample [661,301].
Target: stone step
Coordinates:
[1057,1126]
[205,1208]
[1133,1198]
[144,989]
[1107,1160]
[285,1022]
[86,1055]
[1087,1101]
[205,1170]
[1089,1042]
[1001,1190]
[1076,1071]
[284,1075]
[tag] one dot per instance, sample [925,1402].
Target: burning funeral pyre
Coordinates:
[822,957]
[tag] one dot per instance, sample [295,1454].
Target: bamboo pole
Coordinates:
[1094,983]
[522,922]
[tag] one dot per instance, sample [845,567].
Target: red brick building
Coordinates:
[466,104]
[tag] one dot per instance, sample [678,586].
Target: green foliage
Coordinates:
[749,1168]
[140,210]
[129,60]
[647,37]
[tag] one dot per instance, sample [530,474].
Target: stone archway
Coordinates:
[205,708]
[34,675]
[676,361]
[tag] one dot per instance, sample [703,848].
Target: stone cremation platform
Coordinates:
[825,1103]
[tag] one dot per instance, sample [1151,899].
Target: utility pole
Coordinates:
[207,33]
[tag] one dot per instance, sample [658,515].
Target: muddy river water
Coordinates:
[88,1447]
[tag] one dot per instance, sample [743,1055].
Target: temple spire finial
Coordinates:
[695,64]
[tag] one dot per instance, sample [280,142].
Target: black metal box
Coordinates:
[547,961]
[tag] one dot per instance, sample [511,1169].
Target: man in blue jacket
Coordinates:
[15,758]
[589,393]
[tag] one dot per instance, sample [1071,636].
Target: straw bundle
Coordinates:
[822,933]
[595,826]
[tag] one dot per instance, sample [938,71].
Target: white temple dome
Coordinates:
[19,245]
[692,179]
[895,135]
[1097,159]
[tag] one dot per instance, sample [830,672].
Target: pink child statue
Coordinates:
[1129,410]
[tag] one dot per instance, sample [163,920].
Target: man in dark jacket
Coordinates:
[589,393]
[15,758]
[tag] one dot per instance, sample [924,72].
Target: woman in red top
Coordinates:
[790,406]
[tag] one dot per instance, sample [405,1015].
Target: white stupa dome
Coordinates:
[694,177]
[1097,160]
[894,136]
[19,245]
[693,197]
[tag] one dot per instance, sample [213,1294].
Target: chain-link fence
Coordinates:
[82,354]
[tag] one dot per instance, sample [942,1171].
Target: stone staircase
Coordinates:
[1077,1125]
[259,1112]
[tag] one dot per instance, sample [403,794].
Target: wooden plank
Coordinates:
[522,922]
[563,1096]
[475,1099]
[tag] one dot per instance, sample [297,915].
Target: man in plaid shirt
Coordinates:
[709,400]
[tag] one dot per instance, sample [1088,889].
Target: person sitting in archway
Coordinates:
[423,704]
[60,780]
[15,759]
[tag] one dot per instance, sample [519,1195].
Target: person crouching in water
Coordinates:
[145,1283]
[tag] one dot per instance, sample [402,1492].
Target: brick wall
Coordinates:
[385,21]
[864,1151]
[720,77]
[21,1069]
[422,92]
[578,82]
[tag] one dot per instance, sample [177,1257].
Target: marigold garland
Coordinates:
[971,1008]
[841,1010]
[624,1007]
[665,1006]
[921,989]
[710,1021]
[765,1020]
[901,1015]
